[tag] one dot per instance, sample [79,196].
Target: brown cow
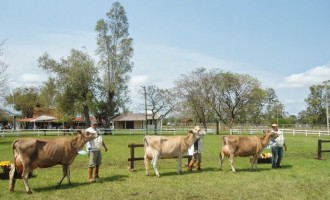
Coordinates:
[244,146]
[157,147]
[30,153]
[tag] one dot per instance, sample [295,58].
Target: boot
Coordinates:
[96,175]
[190,166]
[199,167]
[90,175]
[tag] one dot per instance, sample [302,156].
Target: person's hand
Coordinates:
[105,149]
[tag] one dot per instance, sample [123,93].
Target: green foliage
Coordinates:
[301,177]
[316,106]
[74,82]
[24,99]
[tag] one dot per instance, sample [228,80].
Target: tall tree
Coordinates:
[233,96]
[115,50]
[192,89]
[75,78]
[3,68]
[316,105]
[160,102]
[48,93]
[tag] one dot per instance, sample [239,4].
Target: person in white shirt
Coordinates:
[94,153]
[198,149]
[277,145]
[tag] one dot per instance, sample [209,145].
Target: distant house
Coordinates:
[135,121]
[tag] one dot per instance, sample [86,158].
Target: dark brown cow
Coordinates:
[30,153]
[243,146]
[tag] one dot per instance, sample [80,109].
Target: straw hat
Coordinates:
[274,125]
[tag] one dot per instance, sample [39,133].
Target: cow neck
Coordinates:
[80,141]
[265,139]
[190,139]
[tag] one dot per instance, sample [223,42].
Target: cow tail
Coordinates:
[223,140]
[14,149]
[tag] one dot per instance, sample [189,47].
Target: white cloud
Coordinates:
[306,79]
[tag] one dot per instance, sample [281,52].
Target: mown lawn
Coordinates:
[301,177]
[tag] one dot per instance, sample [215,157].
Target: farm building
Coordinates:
[135,121]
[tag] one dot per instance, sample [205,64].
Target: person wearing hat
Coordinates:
[94,153]
[277,145]
[198,149]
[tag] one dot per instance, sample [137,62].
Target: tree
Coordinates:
[222,96]
[316,105]
[48,93]
[159,102]
[75,81]
[192,89]
[233,97]
[274,108]
[23,99]
[3,68]
[114,48]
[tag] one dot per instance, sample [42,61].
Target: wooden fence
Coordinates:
[319,148]
[133,158]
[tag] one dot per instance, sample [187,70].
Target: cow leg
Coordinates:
[12,179]
[68,174]
[25,177]
[221,158]
[254,162]
[65,169]
[146,164]
[154,165]
[231,160]
[179,165]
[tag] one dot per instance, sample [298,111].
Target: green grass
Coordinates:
[302,176]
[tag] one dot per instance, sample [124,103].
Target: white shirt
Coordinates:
[279,141]
[96,144]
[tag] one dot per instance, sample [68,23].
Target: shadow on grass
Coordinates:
[65,185]
[184,172]
[283,167]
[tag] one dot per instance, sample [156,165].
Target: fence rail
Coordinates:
[132,159]
[285,131]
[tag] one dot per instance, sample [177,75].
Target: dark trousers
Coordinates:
[277,155]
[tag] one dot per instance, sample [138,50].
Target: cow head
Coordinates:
[271,134]
[87,135]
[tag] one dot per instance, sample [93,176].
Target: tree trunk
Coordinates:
[86,115]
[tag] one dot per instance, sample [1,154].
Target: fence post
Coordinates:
[132,157]
[319,148]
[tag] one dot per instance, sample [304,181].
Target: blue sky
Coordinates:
[284,44]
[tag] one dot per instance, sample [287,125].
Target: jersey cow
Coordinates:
[244,146]
[157,147]
[30,153]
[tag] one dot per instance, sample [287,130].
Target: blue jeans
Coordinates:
[277,155]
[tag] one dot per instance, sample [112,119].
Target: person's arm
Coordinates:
[284,146]
[105,147]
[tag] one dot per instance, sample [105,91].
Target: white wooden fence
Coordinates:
[285,131]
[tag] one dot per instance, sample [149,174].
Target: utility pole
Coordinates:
[145,108]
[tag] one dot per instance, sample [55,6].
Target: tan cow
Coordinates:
[157,147]
[243,146]
[30,153]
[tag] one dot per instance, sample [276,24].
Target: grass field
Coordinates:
[301,176]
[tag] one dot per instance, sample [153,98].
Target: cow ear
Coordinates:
[79,132]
